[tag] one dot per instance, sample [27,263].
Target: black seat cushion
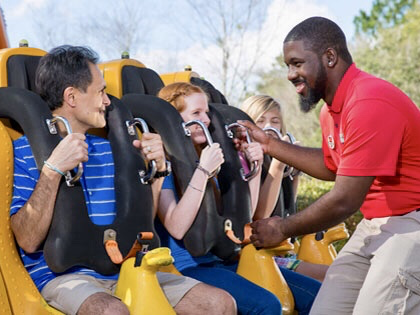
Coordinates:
[21,71]
[140,81]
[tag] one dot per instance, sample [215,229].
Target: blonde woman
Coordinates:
[266,112]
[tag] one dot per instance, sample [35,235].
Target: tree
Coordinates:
[108,30]
[53,33]
[236,28]
[384,14]
[395,55]
[119,30]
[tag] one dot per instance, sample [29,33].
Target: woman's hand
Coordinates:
[253,152]
[211,157]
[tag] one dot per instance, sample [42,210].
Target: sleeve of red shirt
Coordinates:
[373,132]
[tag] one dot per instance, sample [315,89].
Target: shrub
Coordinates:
[310,189]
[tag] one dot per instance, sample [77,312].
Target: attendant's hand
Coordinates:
[257,134]
[268,232]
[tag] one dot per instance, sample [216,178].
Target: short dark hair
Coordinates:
[62,67]
[318,34]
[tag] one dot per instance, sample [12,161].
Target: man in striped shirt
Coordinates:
[69,80]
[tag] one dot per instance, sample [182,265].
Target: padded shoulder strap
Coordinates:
[215,95]
[207,230]
[286,202]
[30,112]
[234,190]
[288,197]
[140,80]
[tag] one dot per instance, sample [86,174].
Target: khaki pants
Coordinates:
[377,271]
[67,293]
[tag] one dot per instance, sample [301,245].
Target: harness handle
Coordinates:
[145,178]
[206,134]
[288,170]
[254,168]
[51,123]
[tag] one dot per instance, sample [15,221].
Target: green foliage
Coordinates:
[384,14]
[395,54]
[310,190]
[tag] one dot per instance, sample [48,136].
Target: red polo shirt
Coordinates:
[373,129]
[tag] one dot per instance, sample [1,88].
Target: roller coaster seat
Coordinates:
[150,108]
[125,76]
[138,108]
[19,293]
[17,68]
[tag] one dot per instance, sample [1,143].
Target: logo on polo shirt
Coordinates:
[330,141]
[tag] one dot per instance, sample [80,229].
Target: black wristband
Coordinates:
[166,172]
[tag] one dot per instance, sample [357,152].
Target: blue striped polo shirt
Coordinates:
[98,187]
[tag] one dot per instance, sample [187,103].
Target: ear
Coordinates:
[331,57]
[69,96]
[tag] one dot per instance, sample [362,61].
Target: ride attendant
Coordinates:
[370,132]
[69,80]
[177,214]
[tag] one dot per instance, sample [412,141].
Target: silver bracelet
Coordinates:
[194,188]
[52,167]
[204,170]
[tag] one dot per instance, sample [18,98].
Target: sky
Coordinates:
[166,43]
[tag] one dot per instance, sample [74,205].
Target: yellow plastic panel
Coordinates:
[4,300]
[111,71]
[139,288]
[8,52]
[181,76]
[259,267]
[24,297]
[322,251]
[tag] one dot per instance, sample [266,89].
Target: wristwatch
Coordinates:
[166,172]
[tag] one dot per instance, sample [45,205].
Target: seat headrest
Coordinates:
[214,94]
[124,76]
[140,81]
[18,67]
[21,71]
